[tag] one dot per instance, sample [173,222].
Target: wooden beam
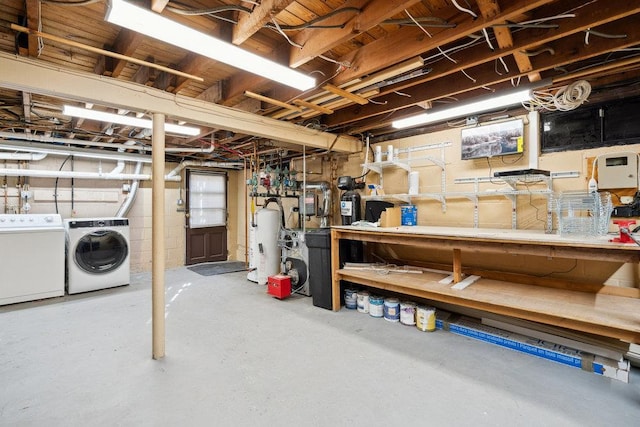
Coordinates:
[19,73]
[345,94]
[316,42]
[447,74]
[272,101]
[33,22]
[489,9]
[312,106]
[249,24]
[407,42]
[103,52]
[126,44]
[143,74]
[194,64]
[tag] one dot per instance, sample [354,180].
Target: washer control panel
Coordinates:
[30,221]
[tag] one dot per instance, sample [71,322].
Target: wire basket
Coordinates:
[583,214]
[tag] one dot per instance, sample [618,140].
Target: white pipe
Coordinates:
[126,205]
[81,175]
[23,156]
[145,148]
[133,191]
[42,138]
[189,150]
[55,150]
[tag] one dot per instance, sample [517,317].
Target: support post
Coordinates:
[157,238]
[457,265]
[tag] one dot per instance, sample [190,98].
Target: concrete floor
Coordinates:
[237,357]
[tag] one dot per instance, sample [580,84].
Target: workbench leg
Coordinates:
[335,266]
[457,265]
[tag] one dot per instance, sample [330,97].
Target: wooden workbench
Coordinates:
[586,310]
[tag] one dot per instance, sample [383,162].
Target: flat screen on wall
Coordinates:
[496,139]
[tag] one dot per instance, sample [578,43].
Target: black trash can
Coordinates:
[319,244]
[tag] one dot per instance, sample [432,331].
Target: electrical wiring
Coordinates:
[294,44]
[504,64]
[427,21]
[71,3]
[210,11]
[564,98]
[430,36]
[486,37]
[462,9]
[468,76]
[434,58]
[538,52]
[589,31]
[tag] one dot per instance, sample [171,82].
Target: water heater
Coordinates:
[265,246]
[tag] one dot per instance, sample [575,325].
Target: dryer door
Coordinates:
[101,251]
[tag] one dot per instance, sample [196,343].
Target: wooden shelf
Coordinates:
[606,315]
[590,309]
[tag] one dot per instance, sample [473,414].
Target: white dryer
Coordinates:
[97,253]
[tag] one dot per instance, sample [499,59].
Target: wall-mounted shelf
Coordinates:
[404,161]
[512,193]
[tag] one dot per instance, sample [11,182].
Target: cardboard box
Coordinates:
[390,217]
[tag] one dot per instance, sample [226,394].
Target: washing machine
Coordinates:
[31,257]
[97,253]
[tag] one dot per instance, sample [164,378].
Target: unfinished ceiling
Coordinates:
[374,61]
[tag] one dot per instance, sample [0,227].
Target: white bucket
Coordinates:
[363,301]
[426,318]
[408,313]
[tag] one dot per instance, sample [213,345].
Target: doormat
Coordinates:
[213,268]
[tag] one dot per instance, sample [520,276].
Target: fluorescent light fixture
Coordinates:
[155,25]
[474,106]
[102,116]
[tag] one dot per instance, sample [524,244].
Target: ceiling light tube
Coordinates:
[478,105]
[105,117]
[157,26]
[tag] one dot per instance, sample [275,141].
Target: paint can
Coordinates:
[391,309]
[408,313]
[426,318]
[409,215]
[362,303]
[350,299]
[375,306]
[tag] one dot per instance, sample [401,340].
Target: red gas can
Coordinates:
[279,286]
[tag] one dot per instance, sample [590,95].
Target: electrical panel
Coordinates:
[618,170]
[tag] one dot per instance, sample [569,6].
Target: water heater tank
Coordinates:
[266,249]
